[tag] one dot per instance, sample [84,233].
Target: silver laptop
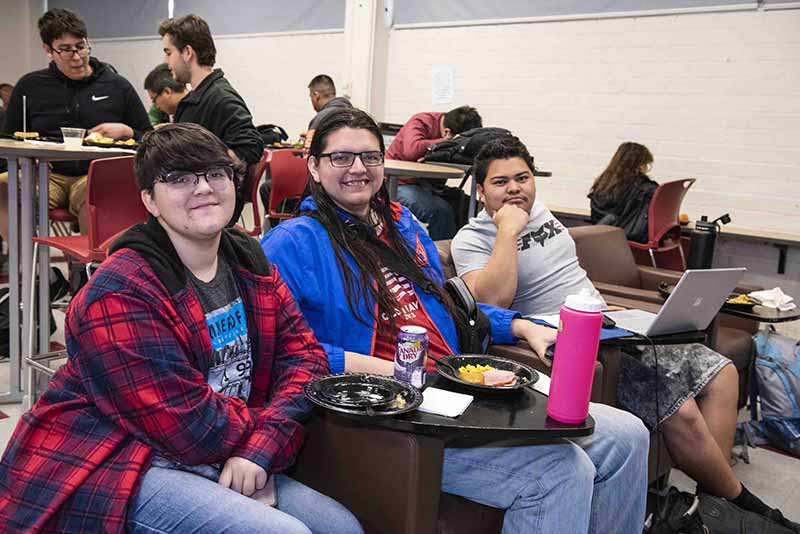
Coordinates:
[692,305]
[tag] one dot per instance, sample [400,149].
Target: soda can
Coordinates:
[410,354]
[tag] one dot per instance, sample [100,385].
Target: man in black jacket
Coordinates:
[190,53]
[213,103]
[76,90]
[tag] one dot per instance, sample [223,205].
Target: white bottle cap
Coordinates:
[584,301]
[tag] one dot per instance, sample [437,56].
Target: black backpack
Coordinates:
[272,133]
[684,513]
[472,325]
[464,147]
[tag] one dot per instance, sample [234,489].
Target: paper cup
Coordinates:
[73,137]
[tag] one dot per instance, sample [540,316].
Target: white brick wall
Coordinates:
[715,96]
[271,72]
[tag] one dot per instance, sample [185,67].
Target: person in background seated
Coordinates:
[5,95]
[621,195]
[165,93]
[75,90]
[182,396]
[515,253]
[322,93]
[361,267]
[213,103]
[431,200]
[5,98]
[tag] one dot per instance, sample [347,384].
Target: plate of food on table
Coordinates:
[96,139]
[486,373]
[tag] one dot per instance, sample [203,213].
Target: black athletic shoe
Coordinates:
[59,285]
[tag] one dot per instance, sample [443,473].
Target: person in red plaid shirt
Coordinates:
[182,399]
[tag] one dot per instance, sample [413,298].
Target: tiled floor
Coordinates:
[775,478]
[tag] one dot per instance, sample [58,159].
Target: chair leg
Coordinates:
[32,311]
[28,399]
[683,258]
[652,257]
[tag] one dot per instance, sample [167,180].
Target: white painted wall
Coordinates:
[19,39]
[715,96]
[271,72]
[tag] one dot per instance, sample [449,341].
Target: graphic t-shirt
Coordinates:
[409,311]
[232,362]
[547,264]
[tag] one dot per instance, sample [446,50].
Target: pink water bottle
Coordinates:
[573,363]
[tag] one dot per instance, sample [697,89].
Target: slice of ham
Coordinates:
[497,377]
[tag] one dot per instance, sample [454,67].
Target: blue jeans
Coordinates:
[429,208]
[177,501]
[592,484]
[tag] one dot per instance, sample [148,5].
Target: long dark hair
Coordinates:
[623,170]
[357,238]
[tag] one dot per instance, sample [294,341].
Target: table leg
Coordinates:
[392,187]
[14,393]
[26,222]
[44,262]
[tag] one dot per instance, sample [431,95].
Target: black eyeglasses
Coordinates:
[67,53]
[216,177]
[371,158]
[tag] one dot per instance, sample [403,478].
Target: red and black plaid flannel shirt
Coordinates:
[134,384]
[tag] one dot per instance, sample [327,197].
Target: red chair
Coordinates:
[114,204]
[250,190]
[663,222]
[289,172]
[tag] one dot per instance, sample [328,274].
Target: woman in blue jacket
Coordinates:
[361,266]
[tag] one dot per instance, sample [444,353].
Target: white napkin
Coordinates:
[774,298]
[543,384]
[442,402]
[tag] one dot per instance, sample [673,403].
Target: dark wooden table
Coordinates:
[517,416]
[763,314]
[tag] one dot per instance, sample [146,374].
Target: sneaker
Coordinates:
[59,285]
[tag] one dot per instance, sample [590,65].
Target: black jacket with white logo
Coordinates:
[55,101]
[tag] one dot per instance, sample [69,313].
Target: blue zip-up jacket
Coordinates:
[302,250]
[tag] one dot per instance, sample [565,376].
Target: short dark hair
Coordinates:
[502,148]
[462,118]
[191,30]
[160,78]
[183,146]
[6,86]
[57,22]
[323,84]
